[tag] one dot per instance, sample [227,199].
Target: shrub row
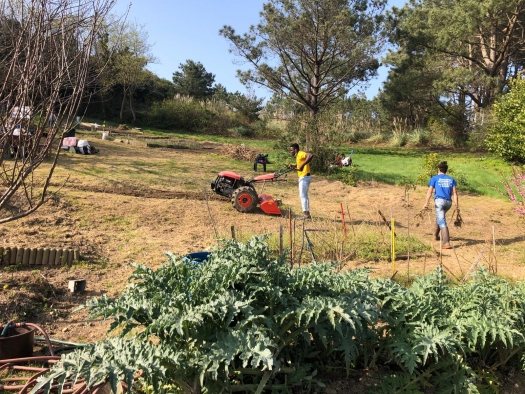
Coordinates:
[245,321]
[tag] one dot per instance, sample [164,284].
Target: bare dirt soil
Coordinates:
[131,203]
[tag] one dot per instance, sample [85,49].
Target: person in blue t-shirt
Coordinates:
[444,187]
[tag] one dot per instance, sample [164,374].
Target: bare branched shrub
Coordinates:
[45,53]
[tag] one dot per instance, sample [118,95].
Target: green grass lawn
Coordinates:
[482,172]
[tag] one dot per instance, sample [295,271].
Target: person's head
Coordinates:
[443,167]
[294,148]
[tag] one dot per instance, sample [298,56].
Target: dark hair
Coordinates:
[443,167]
[295,146]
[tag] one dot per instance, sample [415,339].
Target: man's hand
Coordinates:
[291,166]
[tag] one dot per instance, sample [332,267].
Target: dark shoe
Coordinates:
[305,217]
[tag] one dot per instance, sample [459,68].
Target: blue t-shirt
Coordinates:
[442,185]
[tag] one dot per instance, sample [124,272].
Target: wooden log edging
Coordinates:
[37,256]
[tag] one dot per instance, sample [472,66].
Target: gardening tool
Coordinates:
[242,193]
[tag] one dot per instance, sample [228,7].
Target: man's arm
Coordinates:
[306,161]
[429,194]
[455,194]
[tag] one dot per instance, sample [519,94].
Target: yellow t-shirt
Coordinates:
[300,158]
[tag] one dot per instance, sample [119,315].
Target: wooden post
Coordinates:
[2,255]
[7,256]
[280,240]
[19,256]
[14,252]
[25,256]
[58,257]
[291,237]
[393,251]
[39,254]
[51,258]
[494,251]
[32,256]
[70,256]
[233,232]
[343,219]
[76,255]
[45,256]
[408,240]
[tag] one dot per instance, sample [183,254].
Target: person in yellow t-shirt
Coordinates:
[302,167]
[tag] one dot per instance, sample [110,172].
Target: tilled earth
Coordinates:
[132,203]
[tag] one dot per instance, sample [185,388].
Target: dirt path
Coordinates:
[132,203]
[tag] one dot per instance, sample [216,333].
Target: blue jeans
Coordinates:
[304,185]
[442,207]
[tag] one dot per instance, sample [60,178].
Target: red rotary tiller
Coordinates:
[242,193]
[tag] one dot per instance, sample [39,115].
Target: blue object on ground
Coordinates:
[199,257]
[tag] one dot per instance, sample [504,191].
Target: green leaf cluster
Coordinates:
[429,166]
[245,321]
[507,138]
[445,336]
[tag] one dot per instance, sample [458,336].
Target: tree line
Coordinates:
[450,62]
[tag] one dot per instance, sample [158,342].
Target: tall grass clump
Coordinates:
[399,139]
[419,137]
[185,113]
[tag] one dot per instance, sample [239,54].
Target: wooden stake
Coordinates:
[233,232]
[343,219]
[32,256]
[280,239]
[408,233]
[25,256]
[494,251]
[350,218]
[393,251]
[39,254]
[450,272]
[290,230]
[45,257]
[474,264]
[211,217]
[12,259]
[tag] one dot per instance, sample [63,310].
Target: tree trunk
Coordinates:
[131,105]
[122,105]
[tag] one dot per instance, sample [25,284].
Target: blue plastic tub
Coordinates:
[199,257]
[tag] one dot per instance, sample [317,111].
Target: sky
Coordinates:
[181,30]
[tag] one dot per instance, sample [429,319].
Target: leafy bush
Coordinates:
[349,175]
[440,335]
[399,139]
[419,137]
[243,131]
[245,321]
[184,113]
[356,136]
[430,164]
[507,138]
[323,156]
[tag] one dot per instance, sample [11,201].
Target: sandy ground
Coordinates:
[127,217]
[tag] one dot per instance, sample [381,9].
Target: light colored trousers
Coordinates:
[304,185]
[442,207]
